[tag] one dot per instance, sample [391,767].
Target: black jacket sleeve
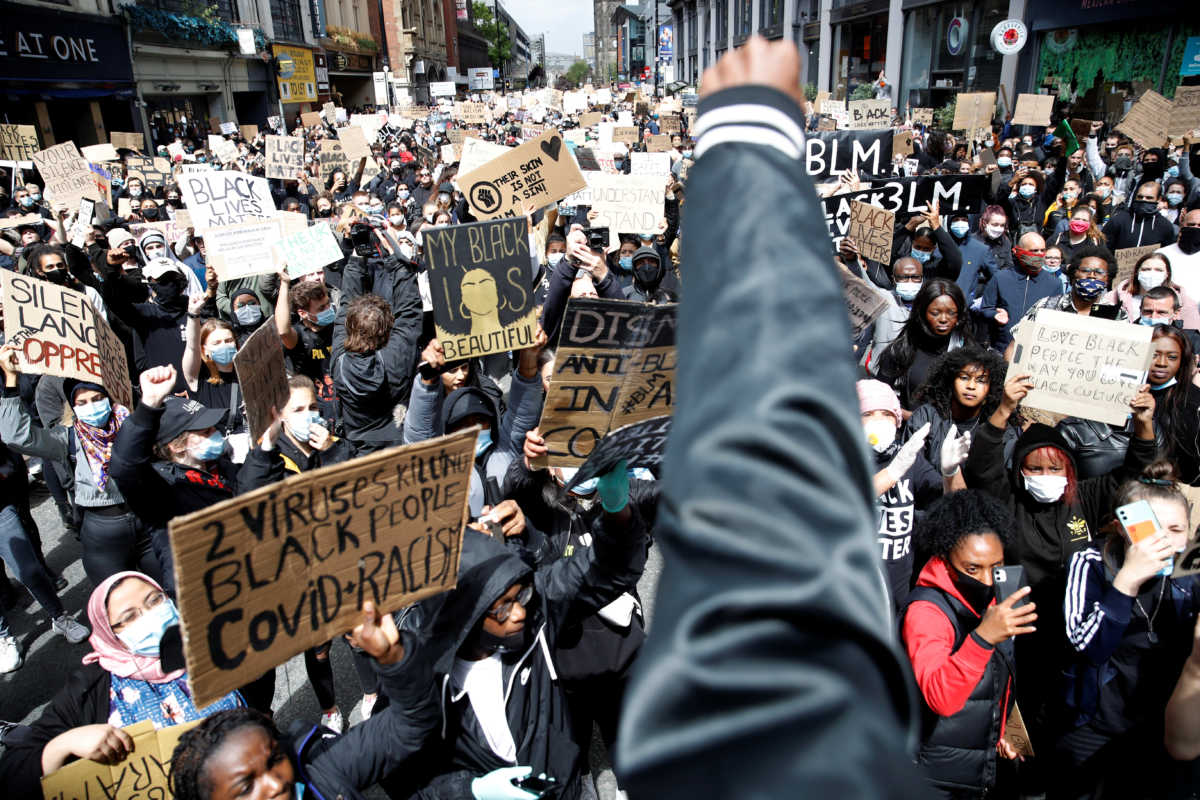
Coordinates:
[261,468]
[773,617]
[132,466]
[984,468]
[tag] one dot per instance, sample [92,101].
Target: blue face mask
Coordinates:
[326,316]
[483,442]
[210,449]
[299,424]
[1174,199]
[248,315]
[144,635]
[1027,191]
[626,262]
[95,414]
[1165,385]
[1090,288]
[907,291]
[27,201]
[1003,162]
[223,354]
[922,255]
[960,228]
[1149,322]
[1173,172]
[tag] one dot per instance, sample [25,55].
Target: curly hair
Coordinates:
[953,517]
[189,765]
[938,388]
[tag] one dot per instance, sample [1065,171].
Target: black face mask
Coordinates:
[1152,171]
[648,276]
[1189,240]
[174,202]
[322,212]
[58,276]
[513,643]
[169,293]
[978,595]
[1123,163]
[1143,208]
[150,213]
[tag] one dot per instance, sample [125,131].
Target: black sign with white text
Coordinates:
[38,44]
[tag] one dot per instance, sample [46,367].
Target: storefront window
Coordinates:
[743,19]
[947,50]
[721,10]
[286,16]
[770,16]
[859,49]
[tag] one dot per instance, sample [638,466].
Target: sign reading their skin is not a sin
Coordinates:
[268,574]
[479,278]
[539,172]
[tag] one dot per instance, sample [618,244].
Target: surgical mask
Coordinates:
[1150,279]
[397,221]
[402,194]
[1045,488]
[326,316]
[626,262]
[921,255]
[1167,384]
[880,433]
[135,191]
[1143,207]
[483,442]
[375,211]
[988,143]
[406,250]
[27,201]
[1103,191]
[209,449]
[144,635]
[1189,240]
[1046,265]
[1174,198]
[583,488]
[1089,288]
[248,315]
[553,258]
[1149,322]
[1173,171]
[95,413]
[1027,191]
[686,153]
[960,228]
[1079,226]
[1123,163]
[299,424]
[443,197]
[907,291]
[1068,197]
[1003,162]
[223,354]
[994,231]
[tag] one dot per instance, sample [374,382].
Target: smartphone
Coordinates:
[1007,581]
[542,787]
[1138,522]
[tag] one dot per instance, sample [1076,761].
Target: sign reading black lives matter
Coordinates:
[271,573]
[285,157]
[479,284]
[640,444]
[223,198]
[615,365]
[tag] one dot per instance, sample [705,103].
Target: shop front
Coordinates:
[350,78]
[68,75]
[859,45]
[947,50]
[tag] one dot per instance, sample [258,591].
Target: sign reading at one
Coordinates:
[540,171]
[225,198]
[270,573]
[285,157]
[479,281]
[262,376]
[871,229]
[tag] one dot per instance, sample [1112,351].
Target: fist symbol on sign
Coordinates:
[485,197]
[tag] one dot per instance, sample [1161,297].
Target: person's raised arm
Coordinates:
[1183,709]
[984,468]
[1091,150]
[283,312]
[191,348]
[16,425]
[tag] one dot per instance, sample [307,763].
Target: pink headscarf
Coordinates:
[109,651]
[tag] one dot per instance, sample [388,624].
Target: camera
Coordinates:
[597,238]
[363,239]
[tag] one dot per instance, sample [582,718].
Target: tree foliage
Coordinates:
[577,73]
[495,31]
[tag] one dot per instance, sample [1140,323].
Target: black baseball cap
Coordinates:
[181,415]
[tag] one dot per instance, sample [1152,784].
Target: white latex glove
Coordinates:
[907,455]
[954,451]
[497,785]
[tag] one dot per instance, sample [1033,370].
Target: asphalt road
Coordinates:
[49,658]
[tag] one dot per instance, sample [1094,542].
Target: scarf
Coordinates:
[98,443]
[109,651]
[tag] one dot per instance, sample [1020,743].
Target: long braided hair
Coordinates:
[189,775]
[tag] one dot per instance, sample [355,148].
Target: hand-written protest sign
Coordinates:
[248,132]
[18,142]
[627,203]
[143,774]
[870,114]
[310,119]
[1148,120]
[863,303]
[225,150]
[541,172]
[1016,734]
[626,134]
[479,281]
[114,365]
[53,326]
[285,157]
[640,444]
[1033,109]
[22,219]
[235,251]
[1083,367]
[1127,258]
[262,376]
[153,171]
[830,152]
[590,118]
[922,116]
[354,143]
[973,110]
[660,143]
[615,365]
[871,229]
[333,158]
[226,198]
[908,195]
[100,152]
[1185,111]
[270,573]
[650,164]
[308,250]
[67,175]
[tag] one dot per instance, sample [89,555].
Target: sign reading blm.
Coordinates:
[480,284]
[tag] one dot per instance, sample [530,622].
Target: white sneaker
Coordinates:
[70,629]
[334,720]
[368,705]
[10,654]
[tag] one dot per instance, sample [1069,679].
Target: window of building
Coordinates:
[770,18]
[721,19]
[286,16]
[743,20]
[691,32]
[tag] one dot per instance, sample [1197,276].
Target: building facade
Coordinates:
[415,33]
[589,49]
[605,43]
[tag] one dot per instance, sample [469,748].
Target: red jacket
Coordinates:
[946,679]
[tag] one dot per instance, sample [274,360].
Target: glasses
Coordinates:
[1092,272]
[502,612]
[129,617]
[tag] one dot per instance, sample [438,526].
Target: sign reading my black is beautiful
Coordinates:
[479,278]
[268,574]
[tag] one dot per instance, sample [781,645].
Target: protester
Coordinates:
[1151,271]
[938,323]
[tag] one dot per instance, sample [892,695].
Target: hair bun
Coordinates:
[1160,472]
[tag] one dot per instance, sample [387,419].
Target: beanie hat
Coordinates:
[877,396]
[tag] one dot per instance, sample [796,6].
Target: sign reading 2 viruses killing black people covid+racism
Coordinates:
[479,281]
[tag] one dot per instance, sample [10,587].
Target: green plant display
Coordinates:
[810,91]
[943,117]
[207,29]
[864,91]
[1116,55]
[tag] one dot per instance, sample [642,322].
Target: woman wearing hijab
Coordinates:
[121,682]
[113,537]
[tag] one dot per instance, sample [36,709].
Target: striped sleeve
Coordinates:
[750,115]
[1096,614]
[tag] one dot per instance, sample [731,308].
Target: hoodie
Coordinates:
[1126,229]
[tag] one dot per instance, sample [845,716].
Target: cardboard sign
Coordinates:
[53,326]
[100,152]
[142,774]
[329,109]
[626,134]
[354,143]
[114,366]
[1016,734]
[1081,366]
[615,366]
[18,142]
[1033,109]
[863,303]
[66,174]
[333,158]
[225,198]
[871,228]
[1148,120]
[1127,258]
[973,110]
[228,128]
[225,150]
[248,132]
[640,444]
[540,172]
[650,164]
[242,249]
[627,203]
[154,171]
[308,250]
[479,282]
[285,157]
[126,141]
[22,219]
[310,119]
[870,114]
[670,124]
[660,143]
[448,153]
[831,152]
[268,574]
[922,116]
[472,113]
[263,376]
[1185,112]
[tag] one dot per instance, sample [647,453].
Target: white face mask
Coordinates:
[1150,280]
[1045,488]
[995,231]
[553,258]
[880,433]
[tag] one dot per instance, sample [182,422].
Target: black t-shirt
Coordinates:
[221,395]
[312,357]
[898,508]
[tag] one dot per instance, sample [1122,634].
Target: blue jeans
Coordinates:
[18,553]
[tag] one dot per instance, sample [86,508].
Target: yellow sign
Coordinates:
[297,74]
